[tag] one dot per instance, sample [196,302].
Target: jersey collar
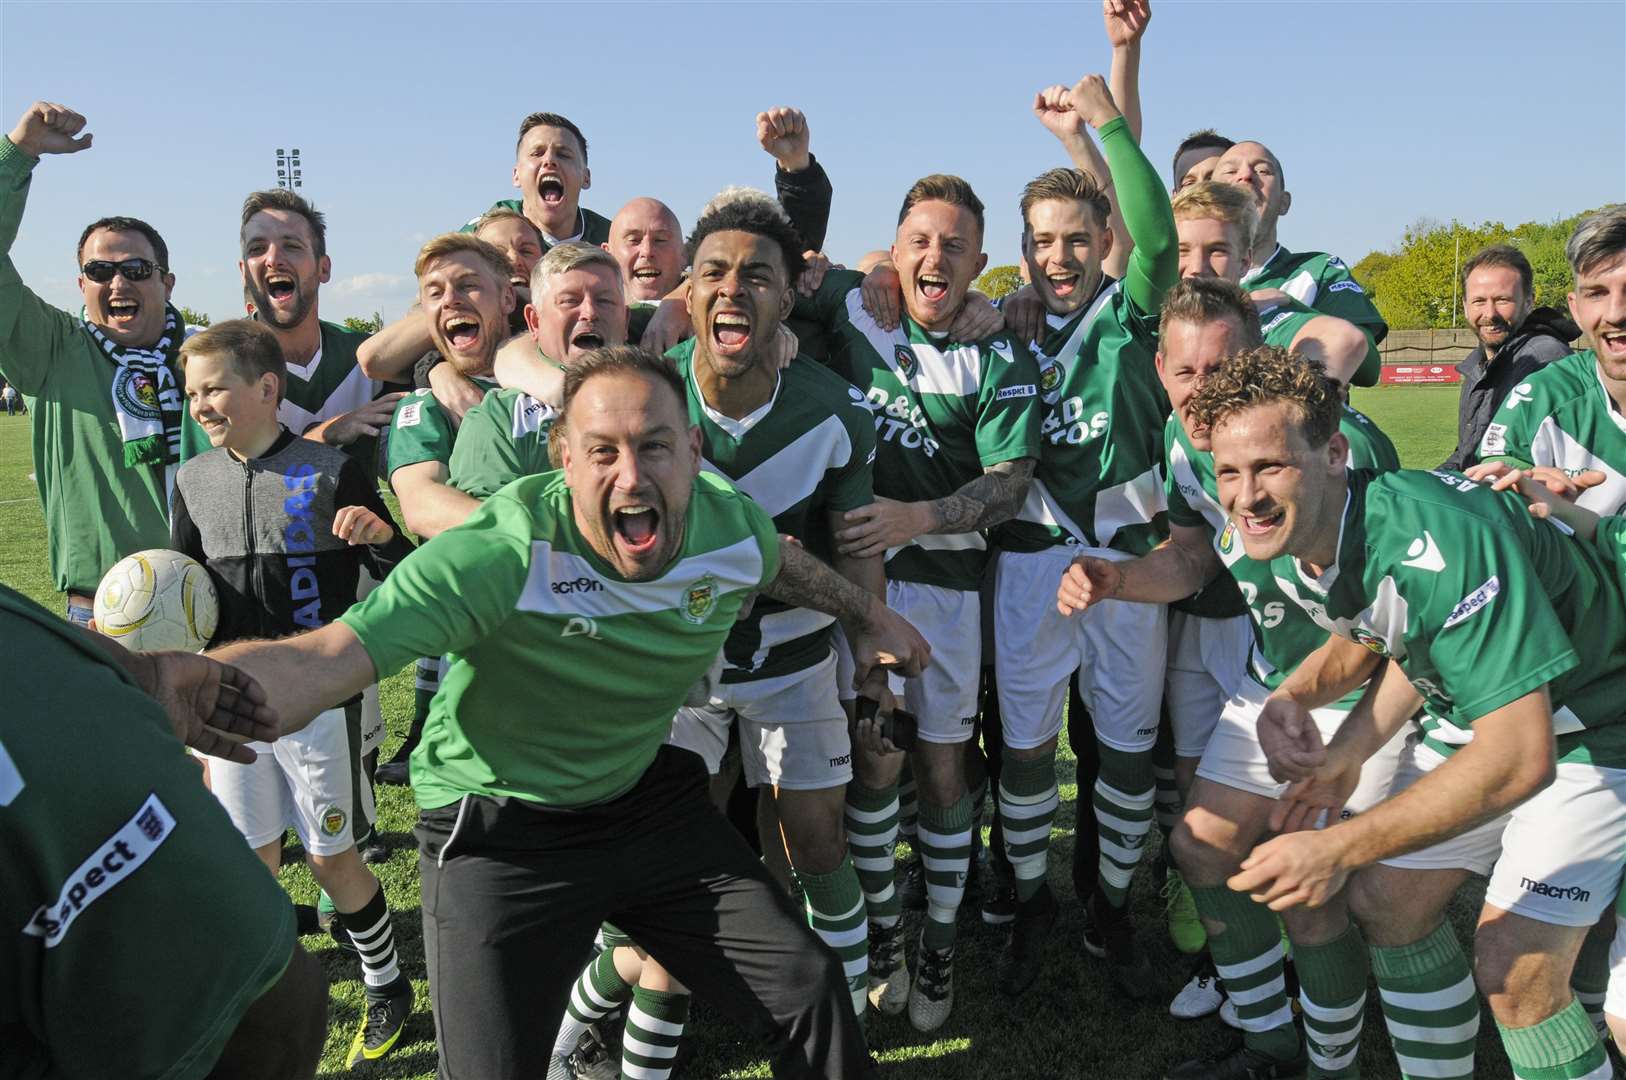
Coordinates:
[736,429]
[1323,584]
[1259,271]
[1609,407]
[581,227]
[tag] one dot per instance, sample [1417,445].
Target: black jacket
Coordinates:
[1544,336]
[264,530]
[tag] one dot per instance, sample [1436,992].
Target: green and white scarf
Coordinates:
[146,397]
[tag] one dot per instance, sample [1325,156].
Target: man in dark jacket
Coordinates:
[1514,340]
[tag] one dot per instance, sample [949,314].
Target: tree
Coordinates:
[1416,286]
[193,318]
[998,282]
[365,326]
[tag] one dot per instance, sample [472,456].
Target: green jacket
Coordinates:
[97,510]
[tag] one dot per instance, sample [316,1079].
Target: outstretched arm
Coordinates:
[304,674]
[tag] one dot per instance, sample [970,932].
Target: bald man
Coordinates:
[646,240]
[1313,278]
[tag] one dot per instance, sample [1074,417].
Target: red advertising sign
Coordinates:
[1420,373]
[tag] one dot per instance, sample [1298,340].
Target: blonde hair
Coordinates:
[455,242]
[1210,200]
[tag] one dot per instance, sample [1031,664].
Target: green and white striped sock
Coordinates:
[599,989]
[649,1045]
[1027,806]
[1590,980]
[425,682]
[944,839]
[835,911]
[872,833]
[1248,956]
[1564,1046]
[1332,993]
[1168,805]
[1430,1005]
[908,804]
[1124,792]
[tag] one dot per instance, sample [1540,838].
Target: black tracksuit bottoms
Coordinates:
[514,892]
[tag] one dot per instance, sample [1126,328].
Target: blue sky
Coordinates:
[1382,113]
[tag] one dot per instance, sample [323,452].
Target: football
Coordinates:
[157,599]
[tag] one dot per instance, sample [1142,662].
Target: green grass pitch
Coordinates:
[1071,1024]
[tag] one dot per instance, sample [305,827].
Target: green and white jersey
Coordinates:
[1562,416]
[944,412]
[563,676]
[1480,603]
[639,314]
[501,439]
[422,429]
[1319,281]
[127,890]
[808,453]
[1101,440]
[1280,321]
[1284,634]
[591,228]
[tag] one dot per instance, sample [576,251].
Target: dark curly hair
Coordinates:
[751,212]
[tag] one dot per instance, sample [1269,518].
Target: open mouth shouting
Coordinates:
[1063,285]
[1612,343]
[280,287]
[122,311]
[550,189]
[637,529]
[934,287]
[462,333]
[585,340]
[730,332]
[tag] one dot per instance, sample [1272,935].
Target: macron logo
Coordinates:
[1424,554]
[1474,601]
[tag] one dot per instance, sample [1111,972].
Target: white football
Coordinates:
[156,600]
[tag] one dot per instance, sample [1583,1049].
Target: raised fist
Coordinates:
[49,128]
[783,133]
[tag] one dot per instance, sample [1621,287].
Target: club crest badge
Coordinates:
[701,600]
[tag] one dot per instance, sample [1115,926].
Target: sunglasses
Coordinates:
[101,271]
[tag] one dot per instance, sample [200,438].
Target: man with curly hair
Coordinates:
[1510,632]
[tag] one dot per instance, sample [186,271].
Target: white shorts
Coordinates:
[793,732]
[309,781]
[1614,1002]
[1208,659]
[1563,849]
[1235,758]
[943,698]
[1118,649]
[845,668]
[1475,850]
[373,730]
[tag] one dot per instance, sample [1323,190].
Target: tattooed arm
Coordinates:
[990,499]
[879,636]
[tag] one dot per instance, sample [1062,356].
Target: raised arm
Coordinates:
[799,180]
[30,329]
[1125,22]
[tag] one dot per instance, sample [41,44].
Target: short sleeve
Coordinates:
[1338,293]
[486,456]
[1008,404]
[853,485]
[449,593]
[1511,435]
[419,431]
[1490,631]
